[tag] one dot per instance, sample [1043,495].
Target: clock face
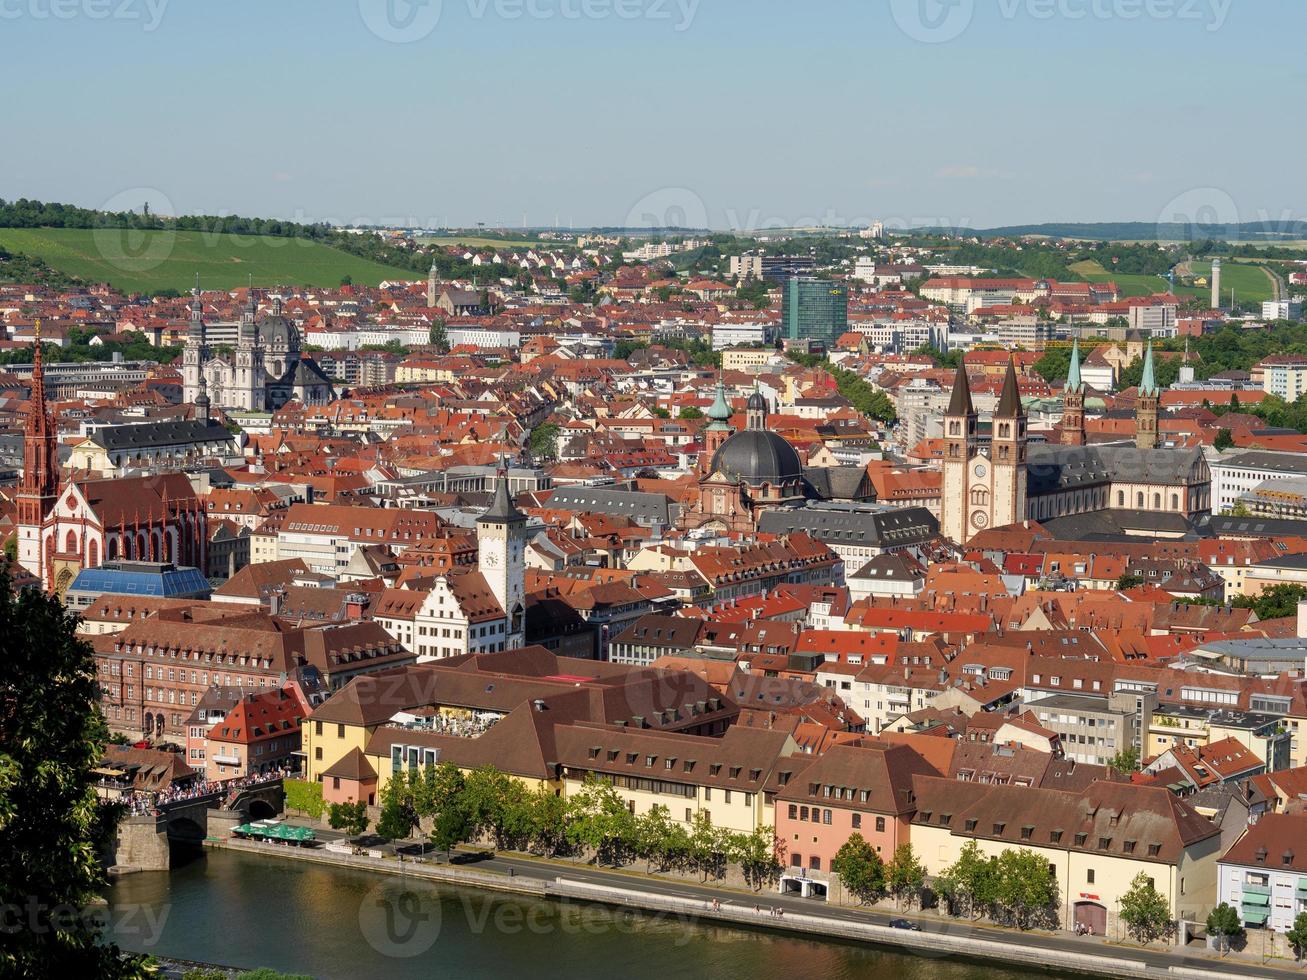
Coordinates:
[492,560]
[979,519]
[980,470]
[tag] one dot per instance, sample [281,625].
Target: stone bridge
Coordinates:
[143,840]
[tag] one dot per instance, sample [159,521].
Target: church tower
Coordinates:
[501,552]
[40,484]
[1146,406]
[196,351]
[1073,401]
[431,286]
[249,370]
[960,423]
[1009,453]
[718,429]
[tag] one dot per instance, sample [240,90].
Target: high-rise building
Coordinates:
[815,310]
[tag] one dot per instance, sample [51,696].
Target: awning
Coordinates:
[1256,917]
[1252,898]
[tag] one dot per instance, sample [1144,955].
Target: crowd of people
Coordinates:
[147,803]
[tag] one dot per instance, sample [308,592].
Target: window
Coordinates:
[825,816]
[857,821]
[1089,876]
[880,825]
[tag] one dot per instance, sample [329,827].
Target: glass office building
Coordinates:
[816,310]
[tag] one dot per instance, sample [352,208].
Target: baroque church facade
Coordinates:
[265,370]
[1008,480]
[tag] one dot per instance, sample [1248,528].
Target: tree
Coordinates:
[546,818]
[970,881]
[1126,761]
[860,869]
[1145,911]
[905,875]
[1025,889]
[544,441]
[691,412]
[1297,935]
[398,816]
[599,819]
[1224,440]
[452,824]
[352,818]
[654,838]
[485,800]
[52,827]
[1128,581]
[1223,924]
[708,847]
[439,336]
[760,855]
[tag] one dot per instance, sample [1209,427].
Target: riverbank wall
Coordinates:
[735,910]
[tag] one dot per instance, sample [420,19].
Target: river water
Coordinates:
[333,923]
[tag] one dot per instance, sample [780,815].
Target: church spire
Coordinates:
[502,510]
[1073,382]
[960,403]
[719,412]
[1009,401]
[1148,384]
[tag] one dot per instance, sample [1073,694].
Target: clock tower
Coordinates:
[501,553]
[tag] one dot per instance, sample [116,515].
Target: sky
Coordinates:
[731,114]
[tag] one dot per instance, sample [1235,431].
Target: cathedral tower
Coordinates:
[1146,407]
[1009,453]
[1073,401]
[960,424]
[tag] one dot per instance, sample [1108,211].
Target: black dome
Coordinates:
[758,456]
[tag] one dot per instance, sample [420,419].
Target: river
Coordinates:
[336,924]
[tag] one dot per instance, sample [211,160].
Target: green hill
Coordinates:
[147,261]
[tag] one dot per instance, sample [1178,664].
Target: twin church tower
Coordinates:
[987,487]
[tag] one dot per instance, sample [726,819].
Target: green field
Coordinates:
[1250,283]
[136,261]
[1130,285]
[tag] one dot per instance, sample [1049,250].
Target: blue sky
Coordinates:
[743,113]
